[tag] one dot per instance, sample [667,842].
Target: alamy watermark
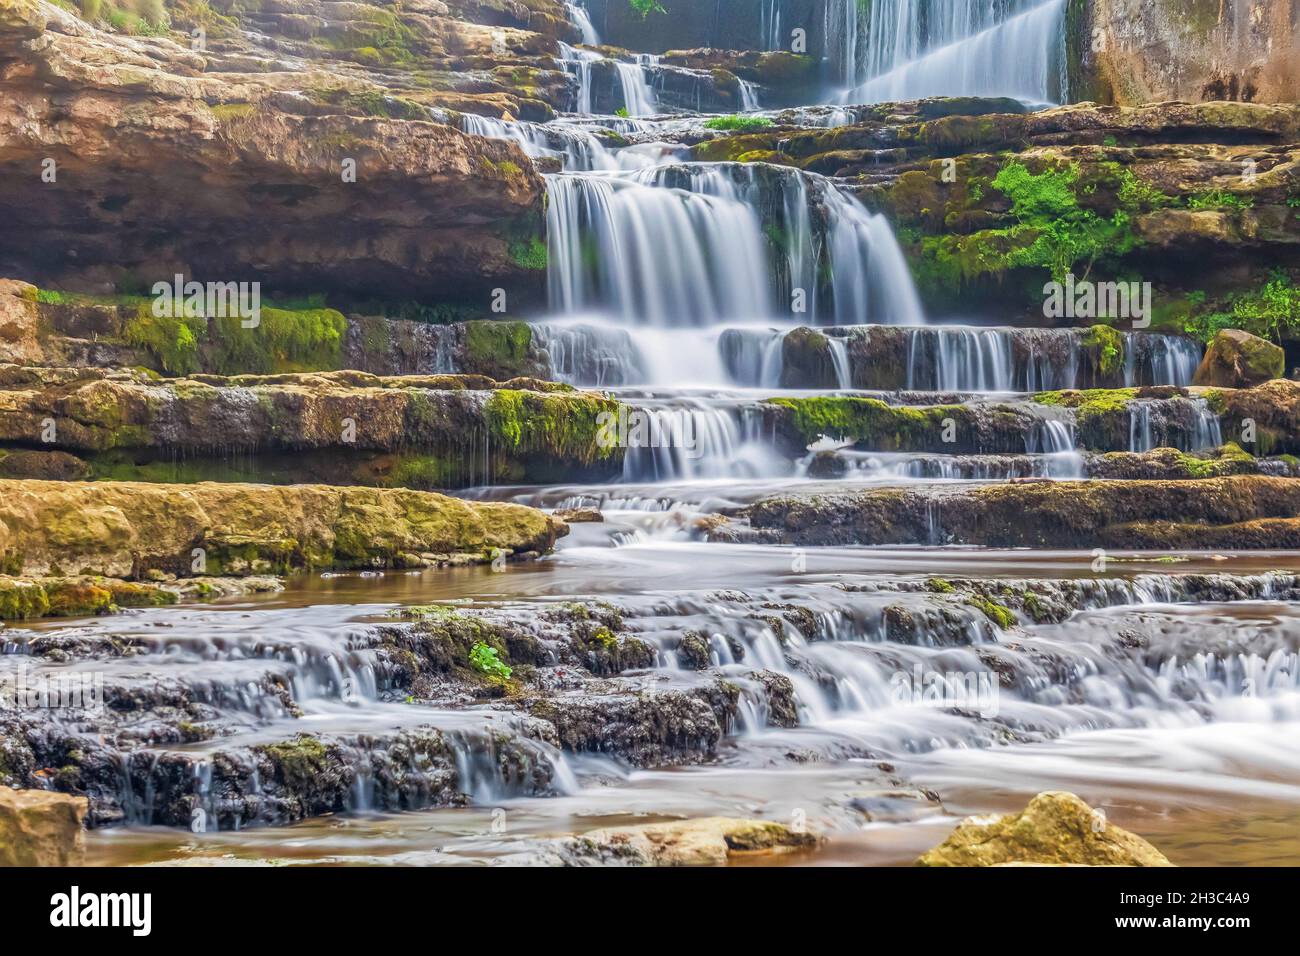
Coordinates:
[638,428]
[945,690]
[215,300]
[65,690]
[1084,299]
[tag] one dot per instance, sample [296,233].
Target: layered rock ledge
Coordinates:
[126,529]
[1249,511]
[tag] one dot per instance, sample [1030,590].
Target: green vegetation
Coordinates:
[561,425]
[644,8]
[740,123]
[132,17]
[889,427]
[939,586]
[1218,199]
[484,659]
[1091,401]
[531,255]
[1062,223]
[999,614]
[1110,348]
[498,348]
[1272,312]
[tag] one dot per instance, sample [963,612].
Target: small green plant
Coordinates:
[487,662]
[1218,199]
[621,111]
[738,122]
[644,8]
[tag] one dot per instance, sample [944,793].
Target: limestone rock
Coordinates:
[38,828]
[1237,359]
[710,841]
[1056,828]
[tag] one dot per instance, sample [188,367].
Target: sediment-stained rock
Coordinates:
[1237,359]
[711,841]
[1236,512]
[341,428]
[1055,829]
[124,529]
[38,828]
[305,195]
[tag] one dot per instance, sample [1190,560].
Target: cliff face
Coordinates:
[286,157]
[1145,51]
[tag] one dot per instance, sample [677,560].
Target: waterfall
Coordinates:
[951,48]
[769,25]
[579,17]
[638,97]
[577,63]
[690,245]
[748,96]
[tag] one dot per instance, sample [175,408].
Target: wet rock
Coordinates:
[1237,359]
[342,427]
[580,515]
[645,729]
[1248,511]
[1056,829]
[38,828]
[896,806]
[121,529]
[711,841]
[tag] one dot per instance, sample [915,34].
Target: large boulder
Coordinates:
[1237,359]
[1056,829]
[38,828]
[710,841]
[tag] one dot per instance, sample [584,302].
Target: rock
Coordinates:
[1159,50]
[38,828]
[711,841]
[429,208]
[1246,511]
[1056,829]
[413,431]
[580,515]
[1237,359]
[122,529]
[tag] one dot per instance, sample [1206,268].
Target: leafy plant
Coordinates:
[1218,199]
[644,8]
[1270,313]
[484,659]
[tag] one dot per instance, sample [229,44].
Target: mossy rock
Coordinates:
[1237,359]
[1056,829]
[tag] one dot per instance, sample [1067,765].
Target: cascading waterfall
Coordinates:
[638,94]
[580,18]
[907,49]
[687,245]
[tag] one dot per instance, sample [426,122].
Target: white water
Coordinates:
[957,48]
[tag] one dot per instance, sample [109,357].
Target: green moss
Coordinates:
[1109,345]
[605,638]
[531,254]
[229,112]
[560,425]
[492,347]
[299,761]
[173,342]
[1090,402]
[283,341]
[857,419]
[939,586]
[22,601]
[999,614]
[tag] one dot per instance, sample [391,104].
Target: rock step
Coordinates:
[1252,512]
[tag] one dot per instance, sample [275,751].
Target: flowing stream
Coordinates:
[679,287]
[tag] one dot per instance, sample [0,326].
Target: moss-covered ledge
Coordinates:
[128,529]
[347,428]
